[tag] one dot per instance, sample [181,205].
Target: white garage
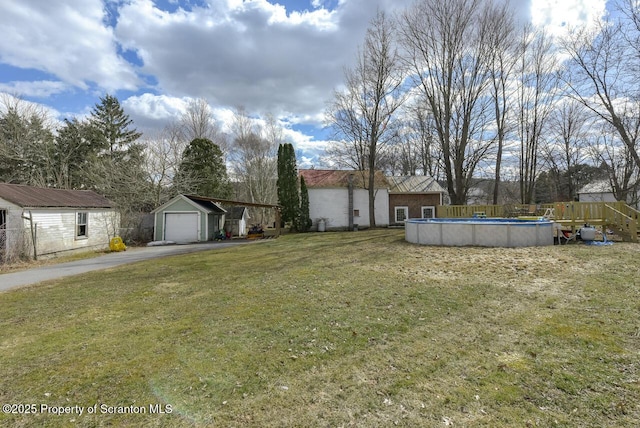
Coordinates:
[187,219]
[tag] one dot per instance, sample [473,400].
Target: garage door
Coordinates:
[181,227]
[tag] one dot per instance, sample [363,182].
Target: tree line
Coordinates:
[462,91]
[104,152]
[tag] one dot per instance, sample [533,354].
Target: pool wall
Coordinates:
[488,232]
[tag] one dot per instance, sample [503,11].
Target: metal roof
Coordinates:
[39,197]
[236,213]
[414,184]
[600,186]
[206,203]
[330,178]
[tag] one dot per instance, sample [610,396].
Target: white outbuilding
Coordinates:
[38,221]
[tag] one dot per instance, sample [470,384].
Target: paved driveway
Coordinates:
[61,270]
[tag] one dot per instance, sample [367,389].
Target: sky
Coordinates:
[279,57]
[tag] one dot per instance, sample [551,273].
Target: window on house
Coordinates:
[428,212]
[402,213]
[81,225]
[3,219]
[356,213]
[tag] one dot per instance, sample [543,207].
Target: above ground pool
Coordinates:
[481,232]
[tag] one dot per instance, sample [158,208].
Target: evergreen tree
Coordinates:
[287,183]
[115,161]
[25,146]
[304,220]
[75,151]
[202,170]
[113,126]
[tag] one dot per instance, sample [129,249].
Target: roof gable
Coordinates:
[40,197]
[238,213]
[198,202]
[414,184]
[206,203]
[331,178]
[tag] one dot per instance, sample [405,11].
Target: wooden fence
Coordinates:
[573,215]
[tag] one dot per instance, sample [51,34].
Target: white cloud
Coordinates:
[250,54]
[35,89]
[156,107]
[558,16]
[66,39]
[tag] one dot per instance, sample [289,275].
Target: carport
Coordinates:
[189,218]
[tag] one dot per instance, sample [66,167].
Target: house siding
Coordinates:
[56,230]
[415,202]
[332,205]
[53,226]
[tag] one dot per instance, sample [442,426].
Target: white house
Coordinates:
[187,218]
[51,221]
[329,198]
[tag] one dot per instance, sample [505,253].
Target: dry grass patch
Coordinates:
[335,329]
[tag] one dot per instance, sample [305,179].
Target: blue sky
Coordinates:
[282,57]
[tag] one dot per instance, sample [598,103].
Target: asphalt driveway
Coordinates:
[132,255]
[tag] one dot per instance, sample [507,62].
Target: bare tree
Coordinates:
[198,122]
[163,154]
[604,64]
[362,114]
[537,90]
[447,48]
[503,58]
[254,161]
[416,151]
[614,156]
[566,151]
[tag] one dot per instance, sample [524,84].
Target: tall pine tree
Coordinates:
[116,162]
[287,183]
[304,219]
[113,126]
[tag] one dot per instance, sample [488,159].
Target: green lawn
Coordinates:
[333,329]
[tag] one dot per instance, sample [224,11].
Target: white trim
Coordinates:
[86,225]
[406,212]
[190,202]
[433,208]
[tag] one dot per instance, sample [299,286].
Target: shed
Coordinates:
[236,221]
[597,191]
[38,221]
[602,191]
[413,196]
[188,218]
